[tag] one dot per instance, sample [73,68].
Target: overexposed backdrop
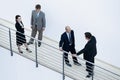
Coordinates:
[100,17]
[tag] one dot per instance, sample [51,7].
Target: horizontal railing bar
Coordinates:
[65,52]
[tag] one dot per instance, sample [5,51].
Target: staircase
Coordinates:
[49,56]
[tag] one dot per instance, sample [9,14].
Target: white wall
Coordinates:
[100,17]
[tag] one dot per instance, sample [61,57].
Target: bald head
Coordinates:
[68,29]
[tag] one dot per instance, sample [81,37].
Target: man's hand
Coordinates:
[31,27]
[74,55]
[43,28]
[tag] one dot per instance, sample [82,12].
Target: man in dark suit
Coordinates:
[90,52]
[67,43]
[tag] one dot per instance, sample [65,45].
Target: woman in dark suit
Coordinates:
[20,37]
[90,52]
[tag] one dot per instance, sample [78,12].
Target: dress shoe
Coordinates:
[21,52]
[77,63]
[88,76]
[68,64]
[29,43]
[39,44]
[28,50]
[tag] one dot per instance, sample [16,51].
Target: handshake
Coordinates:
[77,54]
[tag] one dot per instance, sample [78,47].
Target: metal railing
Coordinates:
[50,57]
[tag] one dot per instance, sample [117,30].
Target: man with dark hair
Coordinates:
[38,6]
[38,23]
[67,43]
[90,52]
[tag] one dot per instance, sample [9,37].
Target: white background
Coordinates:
[100,17]
[20,68]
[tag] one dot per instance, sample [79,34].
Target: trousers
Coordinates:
[34,32]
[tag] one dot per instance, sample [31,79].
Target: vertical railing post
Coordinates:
[36,53]
[63,68]
[10,41]
[92,71]
[92,76]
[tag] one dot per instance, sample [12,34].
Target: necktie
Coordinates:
[37,14]
[36,19]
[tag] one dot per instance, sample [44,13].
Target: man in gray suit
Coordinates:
[38,23]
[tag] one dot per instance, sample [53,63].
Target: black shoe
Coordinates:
[21,52]
[28,50]
[39,44]
[29,43]
[77,63]
[68,64]
[88,76]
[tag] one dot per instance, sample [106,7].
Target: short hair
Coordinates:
[88,35]
[16,17]
[67,27]
[38,6]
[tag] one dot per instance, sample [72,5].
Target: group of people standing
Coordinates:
[66,44]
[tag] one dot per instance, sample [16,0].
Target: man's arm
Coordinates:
[80,52]
[61,42]
[32,18]
[73,38]
[44,21]
[86,48]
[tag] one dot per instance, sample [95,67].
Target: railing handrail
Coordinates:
[54,41]
[62,51]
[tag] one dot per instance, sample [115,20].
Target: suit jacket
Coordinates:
[89,50]
[64,41]
[19,28]
[40,21]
